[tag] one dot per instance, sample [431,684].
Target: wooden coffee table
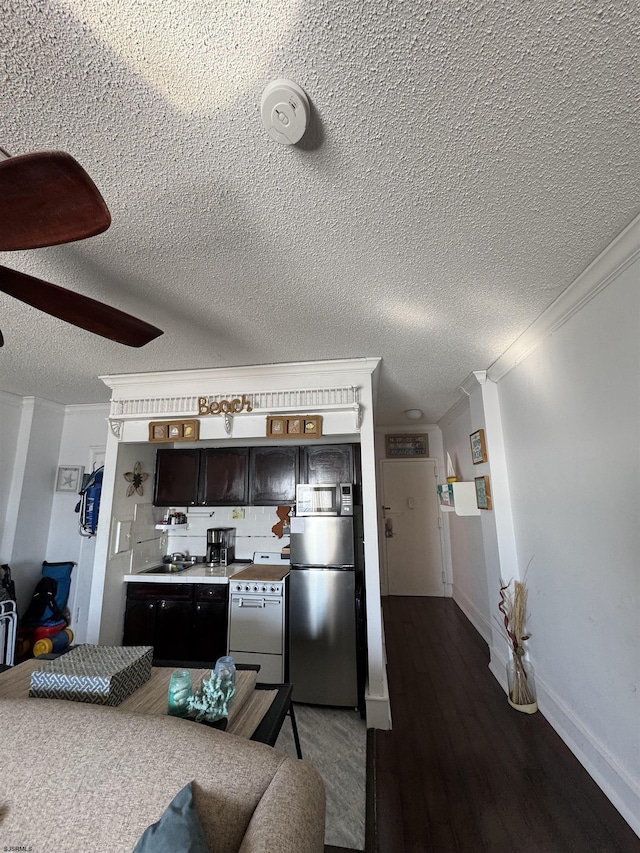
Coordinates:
[257,711]
[276,704]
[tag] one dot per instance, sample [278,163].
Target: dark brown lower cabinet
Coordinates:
[210,622]
[186,622]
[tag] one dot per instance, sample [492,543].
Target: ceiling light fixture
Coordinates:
[414,414]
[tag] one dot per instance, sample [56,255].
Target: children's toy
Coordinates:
[57,643]
[47,617]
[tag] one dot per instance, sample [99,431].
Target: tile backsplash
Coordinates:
[253,532]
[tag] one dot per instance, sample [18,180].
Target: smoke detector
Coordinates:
[285,111]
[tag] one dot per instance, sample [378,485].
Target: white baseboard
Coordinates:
[477,619]
[618,786]
[378,711]
[498,668]
[615,782]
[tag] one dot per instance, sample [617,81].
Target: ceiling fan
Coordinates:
[47,198]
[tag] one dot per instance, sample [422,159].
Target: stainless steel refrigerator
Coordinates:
[323,660]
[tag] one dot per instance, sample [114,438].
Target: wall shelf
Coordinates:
[459,498]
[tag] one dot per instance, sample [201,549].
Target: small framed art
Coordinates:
[174,430]
[478,447]
[276,427]
[294,426]
[483,493]
[69,478]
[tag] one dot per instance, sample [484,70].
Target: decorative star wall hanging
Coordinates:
[135,479]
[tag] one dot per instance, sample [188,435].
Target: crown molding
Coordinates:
[8,399]
[258,374]
[88,408]
[454,412]
[623,251]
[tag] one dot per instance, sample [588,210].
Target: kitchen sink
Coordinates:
[169,568]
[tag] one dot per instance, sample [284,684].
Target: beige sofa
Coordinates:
[84,778]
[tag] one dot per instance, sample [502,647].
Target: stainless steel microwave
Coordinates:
[324,499]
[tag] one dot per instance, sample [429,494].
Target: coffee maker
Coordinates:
[221,545]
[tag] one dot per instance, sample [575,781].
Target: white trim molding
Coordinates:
[262,402]
[477,619]
[116,427]
[618,255]
[621,788]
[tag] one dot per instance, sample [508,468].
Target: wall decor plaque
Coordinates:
[224,407]
[402,446]
[294,426]
[174,430]
[483,493]
[478,447]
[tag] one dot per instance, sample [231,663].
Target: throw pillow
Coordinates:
[179,830]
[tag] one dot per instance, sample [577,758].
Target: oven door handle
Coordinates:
[253,602]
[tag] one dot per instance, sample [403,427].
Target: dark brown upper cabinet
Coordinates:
[177,477]
[224,476]
[273,474]
[243,476]
[213,476]
[327,463]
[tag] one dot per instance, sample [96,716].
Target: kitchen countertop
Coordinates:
[200,573]
[263,572]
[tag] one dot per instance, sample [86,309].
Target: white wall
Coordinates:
[83,439]
[10,414]
[567,409]
[571,414]
[122,508]
[39,523]
[31,490]
[467,544]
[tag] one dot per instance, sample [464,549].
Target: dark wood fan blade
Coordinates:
[47,198]
[79,310]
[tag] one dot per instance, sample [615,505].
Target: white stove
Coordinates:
[257,615]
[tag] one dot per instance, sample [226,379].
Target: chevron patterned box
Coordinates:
[100,675]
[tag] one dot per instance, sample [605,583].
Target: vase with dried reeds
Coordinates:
[520,676]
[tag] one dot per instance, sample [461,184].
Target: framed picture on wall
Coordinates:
[407,446]
[483,493]
[69,478]
[478,447]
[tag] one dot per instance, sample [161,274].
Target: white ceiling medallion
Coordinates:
[285,111]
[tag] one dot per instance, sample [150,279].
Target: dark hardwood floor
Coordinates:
[463,772]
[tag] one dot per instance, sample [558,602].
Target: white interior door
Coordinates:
[411,527]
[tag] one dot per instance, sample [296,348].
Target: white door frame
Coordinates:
[382,550]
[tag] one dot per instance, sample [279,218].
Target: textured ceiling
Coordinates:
[465,162]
